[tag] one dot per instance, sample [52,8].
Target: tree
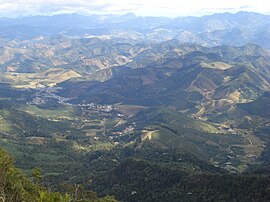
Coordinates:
[36,173]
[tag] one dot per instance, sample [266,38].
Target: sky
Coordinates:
[170,8]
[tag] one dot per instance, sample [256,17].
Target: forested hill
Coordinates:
[17,187]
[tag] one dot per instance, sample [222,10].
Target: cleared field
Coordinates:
[65,111]
[130,109]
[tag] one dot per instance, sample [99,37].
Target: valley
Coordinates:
[173,110]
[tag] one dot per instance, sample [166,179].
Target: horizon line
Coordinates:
[128,13]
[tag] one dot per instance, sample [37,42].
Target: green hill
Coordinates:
[15,186]
[176,130]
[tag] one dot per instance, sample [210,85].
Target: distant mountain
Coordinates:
[86,55]
[211,30]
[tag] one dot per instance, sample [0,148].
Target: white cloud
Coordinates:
[140,7]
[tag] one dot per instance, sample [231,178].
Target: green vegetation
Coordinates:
[175,123]
[174,129]
[139,180]
[63,111]
[15,186]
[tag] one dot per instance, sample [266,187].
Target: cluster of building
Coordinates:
[44,94]
[97,107]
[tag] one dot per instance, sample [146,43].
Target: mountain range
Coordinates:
[145,108]
[211,30]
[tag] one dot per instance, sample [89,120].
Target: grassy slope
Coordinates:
[174,129]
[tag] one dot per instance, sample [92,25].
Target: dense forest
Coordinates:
[17,187]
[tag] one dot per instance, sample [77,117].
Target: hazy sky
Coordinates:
[170,8]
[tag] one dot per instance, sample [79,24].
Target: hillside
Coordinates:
[140,108]
[153,181]
[207,80]
[85,55]
[15,186]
